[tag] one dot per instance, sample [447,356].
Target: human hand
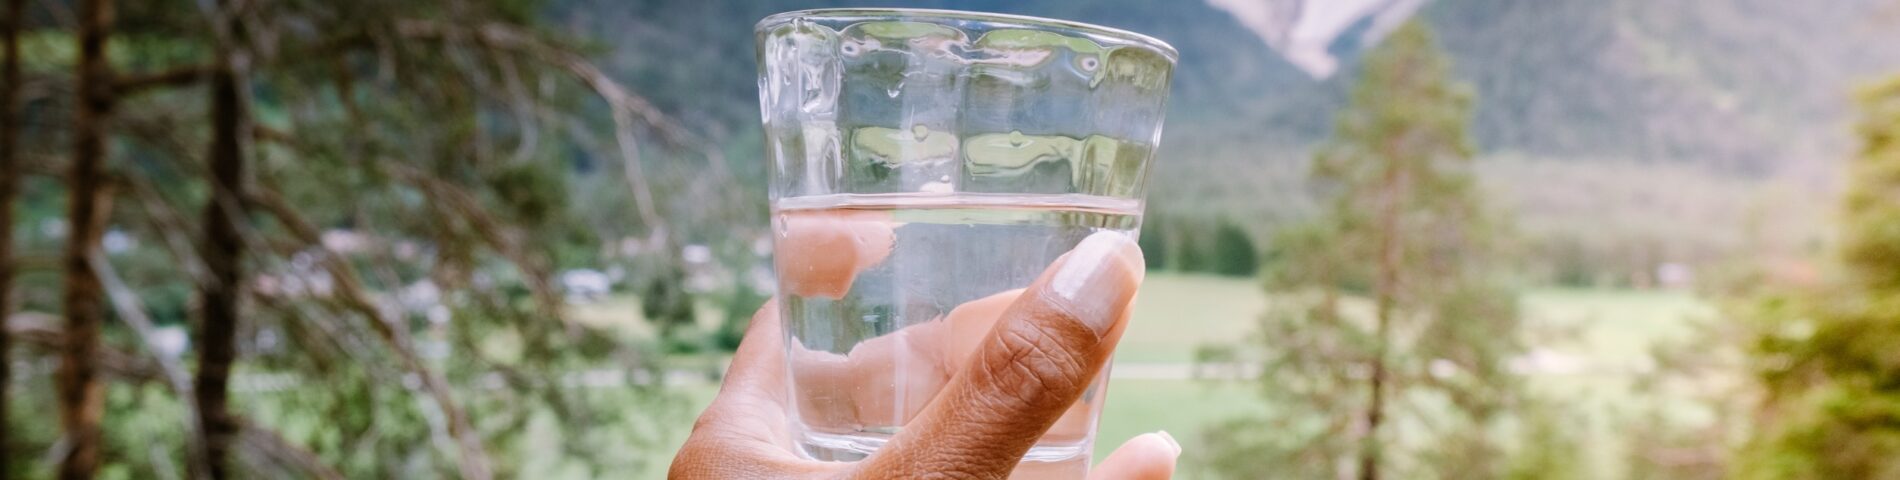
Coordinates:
[1017,364]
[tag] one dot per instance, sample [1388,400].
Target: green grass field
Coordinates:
[1175,313]
[1606,332]
[1181,407]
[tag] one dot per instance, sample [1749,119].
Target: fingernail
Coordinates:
[1170,438]
[1098,277]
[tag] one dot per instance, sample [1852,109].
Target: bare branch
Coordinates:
[266,134]
[129,85]
[160,215]
[473,459]
[493,232]
[41,332]
[625,105]
[319,343]
[9,191]
[61,12]
[132,311]
[272,446]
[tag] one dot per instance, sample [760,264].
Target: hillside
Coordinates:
[1739,97]
[1739,84]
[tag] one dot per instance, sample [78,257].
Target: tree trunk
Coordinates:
[223,248]
[1384,291]
[9,184]
[223,254]
[81,394]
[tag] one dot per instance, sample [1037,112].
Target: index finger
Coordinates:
[820,253]
[1036,362]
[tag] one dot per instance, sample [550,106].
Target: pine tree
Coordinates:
[1826,356]
[81,393]
[1388,313]
[1154,243]
[1234,251]
[9,186]
[435,136]
[223,250]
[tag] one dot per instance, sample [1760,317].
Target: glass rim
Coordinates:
[1119,36]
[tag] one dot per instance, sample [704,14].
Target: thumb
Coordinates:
[1037,361]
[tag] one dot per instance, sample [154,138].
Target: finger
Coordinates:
[971,322]
[743,435]
[885,380]
[758,366]
[819,254]
[1034,364]
[889,379]
[824,386]
[1149,456]
[751,399]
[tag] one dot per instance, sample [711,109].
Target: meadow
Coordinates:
[1587,344]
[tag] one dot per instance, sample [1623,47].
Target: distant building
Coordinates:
[586,285]
[1674,275]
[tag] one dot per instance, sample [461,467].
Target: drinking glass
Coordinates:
[925,167]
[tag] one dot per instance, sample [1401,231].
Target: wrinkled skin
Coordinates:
[1013,368]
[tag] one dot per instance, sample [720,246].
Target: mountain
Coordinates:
[1750,86]
[1306,32]
[1739,85]
[1582,104]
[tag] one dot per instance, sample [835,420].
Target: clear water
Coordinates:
[884,295]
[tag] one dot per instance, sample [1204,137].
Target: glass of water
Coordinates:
[926,166]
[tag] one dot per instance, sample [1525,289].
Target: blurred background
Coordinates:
[1565,239]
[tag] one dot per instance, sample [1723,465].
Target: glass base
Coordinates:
[850,448]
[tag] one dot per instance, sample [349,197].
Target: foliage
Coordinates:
[1415,385]
[416,173]
[1234,250]
[1187,243]
[1547,446]
[1153,241]
[1825,355]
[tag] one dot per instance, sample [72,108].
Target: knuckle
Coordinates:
[951,470]
[1043,363]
